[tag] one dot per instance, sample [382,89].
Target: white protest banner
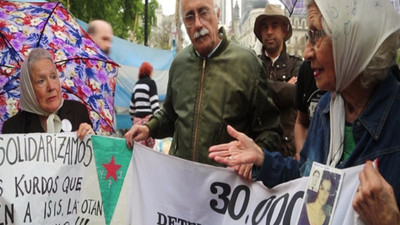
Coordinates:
[48,179]
[52,179]
[167,190]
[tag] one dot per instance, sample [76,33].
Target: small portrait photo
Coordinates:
[319,204]
[314,180]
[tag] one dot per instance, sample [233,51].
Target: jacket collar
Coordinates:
[282,58]
[377,111]
[375,115]
[224,42]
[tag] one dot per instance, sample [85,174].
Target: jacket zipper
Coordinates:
[196,128]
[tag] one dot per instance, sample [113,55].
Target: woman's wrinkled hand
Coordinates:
[238,153]
[374,200]
[84,128]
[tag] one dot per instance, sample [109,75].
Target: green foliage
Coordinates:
[121,14]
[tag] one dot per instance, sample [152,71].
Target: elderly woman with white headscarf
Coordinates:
[351,52]
[42,107]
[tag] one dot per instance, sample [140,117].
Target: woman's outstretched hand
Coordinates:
[240,154]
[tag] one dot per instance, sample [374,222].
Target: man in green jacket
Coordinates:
[212,83]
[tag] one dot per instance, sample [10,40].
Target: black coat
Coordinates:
[26,122]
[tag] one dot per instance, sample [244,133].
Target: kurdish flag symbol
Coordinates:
[112,169]
[112,162]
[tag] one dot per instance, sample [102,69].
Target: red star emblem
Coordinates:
[112,169]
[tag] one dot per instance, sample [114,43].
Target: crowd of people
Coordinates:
[268,116]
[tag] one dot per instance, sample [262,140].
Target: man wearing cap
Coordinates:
[273,28]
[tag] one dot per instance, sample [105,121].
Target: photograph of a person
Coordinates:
[313,184]
[319,205]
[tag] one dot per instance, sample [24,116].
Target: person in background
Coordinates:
[363,94]
[101,33]
[212,83]
[273,29]
[144,101]
[307,98]
[42,107]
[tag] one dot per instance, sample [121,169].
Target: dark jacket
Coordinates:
[26,122]
[204,95]
[375,131]
[283,94]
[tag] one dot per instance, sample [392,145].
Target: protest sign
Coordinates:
[169,190]
[53,179]
[48,179]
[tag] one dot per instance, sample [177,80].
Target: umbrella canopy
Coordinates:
[298,7]
[86,73]
[294,6]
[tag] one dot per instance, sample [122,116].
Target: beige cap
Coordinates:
[272,11]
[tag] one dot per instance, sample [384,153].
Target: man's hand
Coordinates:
[136,133]
[292,80]
[244,171]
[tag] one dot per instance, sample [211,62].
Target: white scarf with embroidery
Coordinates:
[28,101]
[356,36]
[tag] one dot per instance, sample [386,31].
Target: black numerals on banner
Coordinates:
[224,190]
[231,209]
[272,210]
[1,187]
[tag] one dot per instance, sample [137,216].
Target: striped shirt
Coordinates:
[144,99]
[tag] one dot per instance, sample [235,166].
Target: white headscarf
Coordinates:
[28,101]
[357,28]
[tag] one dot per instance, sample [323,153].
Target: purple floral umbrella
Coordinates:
[297,7]
[87,74]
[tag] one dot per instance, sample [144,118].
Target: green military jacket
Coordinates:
[204,95]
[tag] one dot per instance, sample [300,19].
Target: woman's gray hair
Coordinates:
[383,59]
[36,55]
[28,101]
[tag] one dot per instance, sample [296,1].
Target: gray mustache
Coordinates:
[201,33]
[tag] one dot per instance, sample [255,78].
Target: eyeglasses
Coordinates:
[204,16]
[314,36]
